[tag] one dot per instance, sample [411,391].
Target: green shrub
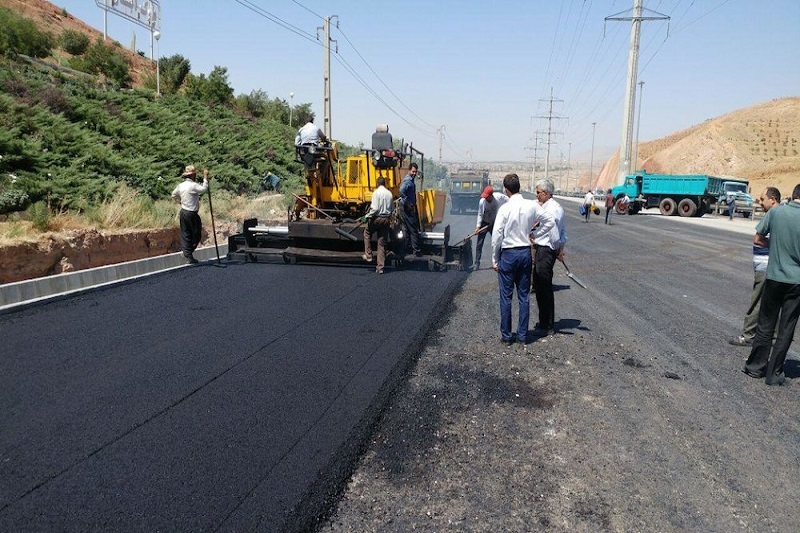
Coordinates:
[103,59]
[19,35]
[40,215]
[12,200]
[74,42]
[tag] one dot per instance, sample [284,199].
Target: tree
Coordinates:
[211,90]
[173,72]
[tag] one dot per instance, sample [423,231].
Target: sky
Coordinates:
[469,80]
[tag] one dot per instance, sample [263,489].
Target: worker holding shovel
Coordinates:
[187,194]
[488,205]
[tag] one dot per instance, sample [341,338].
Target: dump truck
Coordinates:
[324,223]
[686,195]
[466,186]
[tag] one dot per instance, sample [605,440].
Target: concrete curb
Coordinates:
[28,292]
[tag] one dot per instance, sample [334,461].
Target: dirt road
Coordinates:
[633,417]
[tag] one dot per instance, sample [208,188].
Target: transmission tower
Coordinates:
[440,131]
[633,73]
[550,118]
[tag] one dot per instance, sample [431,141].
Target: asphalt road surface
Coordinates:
[212,398]
[635,416]
[240,399]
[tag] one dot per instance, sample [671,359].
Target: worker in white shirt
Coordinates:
[187,193]
[377,221]
[548,247]
[488,205]
[511,255]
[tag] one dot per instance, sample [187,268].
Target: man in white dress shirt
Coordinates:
[547,248]
[511,255]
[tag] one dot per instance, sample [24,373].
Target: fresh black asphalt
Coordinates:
[211,398]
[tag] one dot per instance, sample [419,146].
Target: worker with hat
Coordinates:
[488,205]
[187,193]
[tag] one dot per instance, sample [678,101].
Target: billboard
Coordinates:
[145,13]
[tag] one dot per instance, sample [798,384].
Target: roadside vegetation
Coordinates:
[81,147]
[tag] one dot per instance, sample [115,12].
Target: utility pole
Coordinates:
[440,131]
[550,117]
[630,89]
[326,103]
[638,125]
[591,160]
[535,149]
[569,166]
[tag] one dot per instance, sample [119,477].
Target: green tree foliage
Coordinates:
[212,90]
[173,71]
[103,59]
[19,35]
[74,42]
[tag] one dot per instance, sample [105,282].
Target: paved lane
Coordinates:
[208,398]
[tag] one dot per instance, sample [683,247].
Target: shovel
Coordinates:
[471,235]
[571,276]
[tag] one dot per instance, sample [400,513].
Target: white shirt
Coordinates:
[514,222]
[588,198]
[188,192]
[382,201]
[488,210]
[308,134]
[557,236]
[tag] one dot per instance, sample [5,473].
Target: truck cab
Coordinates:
[466,187]
[743,200]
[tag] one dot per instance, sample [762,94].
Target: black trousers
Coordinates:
[544,260]
[411,227]
[481,238]
[780,304]
[191,230]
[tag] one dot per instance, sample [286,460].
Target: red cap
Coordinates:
[487,192]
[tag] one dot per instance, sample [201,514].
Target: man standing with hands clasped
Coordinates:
[548,246]
[488,205]
[187,193]
[511,255]
[780,300]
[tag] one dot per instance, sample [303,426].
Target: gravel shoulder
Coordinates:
[634,417]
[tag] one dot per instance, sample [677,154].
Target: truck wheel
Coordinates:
[687,208]
[746,214]
[620,207]
[668,207]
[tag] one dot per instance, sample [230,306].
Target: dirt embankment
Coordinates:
[90,248]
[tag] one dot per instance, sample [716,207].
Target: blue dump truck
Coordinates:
[685,195]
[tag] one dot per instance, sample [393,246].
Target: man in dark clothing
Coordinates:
[780,301]
[408,211]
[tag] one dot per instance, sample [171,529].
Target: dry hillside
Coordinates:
[760,143]
[54,19]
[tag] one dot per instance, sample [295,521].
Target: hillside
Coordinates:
[760,143]
[54,19]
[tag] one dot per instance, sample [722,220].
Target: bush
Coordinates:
[103,59]
[74,42]
[12,200]
[39,214]
[19,35]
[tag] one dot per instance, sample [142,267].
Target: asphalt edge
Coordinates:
[319,503]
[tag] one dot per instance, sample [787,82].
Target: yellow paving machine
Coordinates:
[324,223]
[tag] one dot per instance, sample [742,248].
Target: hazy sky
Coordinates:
[485,69]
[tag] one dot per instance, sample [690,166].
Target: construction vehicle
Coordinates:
[325,225]
[685,195]
[466,187]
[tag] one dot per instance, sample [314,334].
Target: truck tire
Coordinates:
[668,207]
[620,207]
[687,208]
